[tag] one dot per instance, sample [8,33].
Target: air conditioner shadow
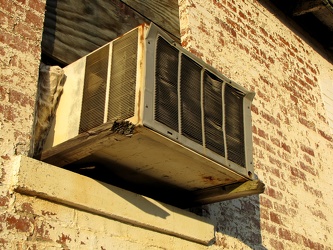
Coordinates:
[237,218]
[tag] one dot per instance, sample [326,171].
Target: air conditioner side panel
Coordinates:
[66,122]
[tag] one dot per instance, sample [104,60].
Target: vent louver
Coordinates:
[92,112]
[123,77]
[166,93]
[190,96]
[213,109]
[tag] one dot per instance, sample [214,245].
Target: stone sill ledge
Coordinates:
[36,178]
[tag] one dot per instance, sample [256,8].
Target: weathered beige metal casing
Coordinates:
[192,124]
[68,117]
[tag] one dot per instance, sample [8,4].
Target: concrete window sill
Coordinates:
[36,178]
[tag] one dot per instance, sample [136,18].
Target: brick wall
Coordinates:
[292,142]
[293,146]
[21,24]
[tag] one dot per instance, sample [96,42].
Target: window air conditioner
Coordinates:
[146,78]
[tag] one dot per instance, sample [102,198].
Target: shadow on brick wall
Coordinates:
[239,219]
[314,32]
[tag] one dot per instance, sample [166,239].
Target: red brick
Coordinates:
[270,118]
[309,124]
[312,190]
[4,200]
[27,208]
[271,60]
[319,214]
[286,147]
[37,5]
[231,7]
[283,41]
[309,169]
[326,136]
[26,32]
[310,82]
[263,31]
[275,218]
[297,173]
[282,186]
[294,98]
[274,193]
[254,109]
[263,96]
[242,15]
[219,4]
[268,227]
[272,182]
[3,93]
[281,208]
[264,214]
[33,19]
[19,98]
[312,245]
[262,134]
[312,69]
[264,201]
[14,41]
[285,234]
[276,244]
[22,223]
[300,60]
[275,141]
[8,112]
[307,150]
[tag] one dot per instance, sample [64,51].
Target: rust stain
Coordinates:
[48,213]
[63,239]
[208,178]
[3,175]
[139,103]
[42,232]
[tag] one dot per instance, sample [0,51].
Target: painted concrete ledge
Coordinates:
[36,178]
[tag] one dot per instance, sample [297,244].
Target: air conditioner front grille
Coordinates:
[190,96]
[234,125]
[92,111]
[214,131]
[206,109]
[121,102]
[166,91]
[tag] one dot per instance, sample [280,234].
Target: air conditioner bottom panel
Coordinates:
[142,161]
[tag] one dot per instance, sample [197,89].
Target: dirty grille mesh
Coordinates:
[123,77]
[166,73]
[234,125]
[222,110]
[213,113]
[190,96]
[92,112]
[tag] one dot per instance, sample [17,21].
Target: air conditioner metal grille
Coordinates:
[213,110]
[121,102]
[166,90]
[190,98]
[234,125]
[210,114]
[92,112]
